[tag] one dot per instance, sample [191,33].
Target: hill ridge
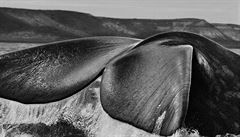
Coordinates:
[41,26]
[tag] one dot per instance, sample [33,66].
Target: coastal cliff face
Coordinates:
[42,26]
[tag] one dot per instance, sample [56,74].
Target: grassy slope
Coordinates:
[229,30]
[40,26]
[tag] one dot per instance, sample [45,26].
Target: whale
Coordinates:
[172,80]
[55,71]
[159,84]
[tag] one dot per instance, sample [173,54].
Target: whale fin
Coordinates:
[214,101]
[55,71]
[149,87]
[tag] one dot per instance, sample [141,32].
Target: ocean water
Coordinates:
[82,112]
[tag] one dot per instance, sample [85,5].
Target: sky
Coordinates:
[215,11]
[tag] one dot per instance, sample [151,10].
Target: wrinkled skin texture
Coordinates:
[80,115]
[214,103]
[52,72]
[165,82]
[156,89]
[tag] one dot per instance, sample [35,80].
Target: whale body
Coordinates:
[160,84]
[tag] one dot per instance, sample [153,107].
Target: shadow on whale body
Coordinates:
[165,82]
[214,101]
[179,79]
